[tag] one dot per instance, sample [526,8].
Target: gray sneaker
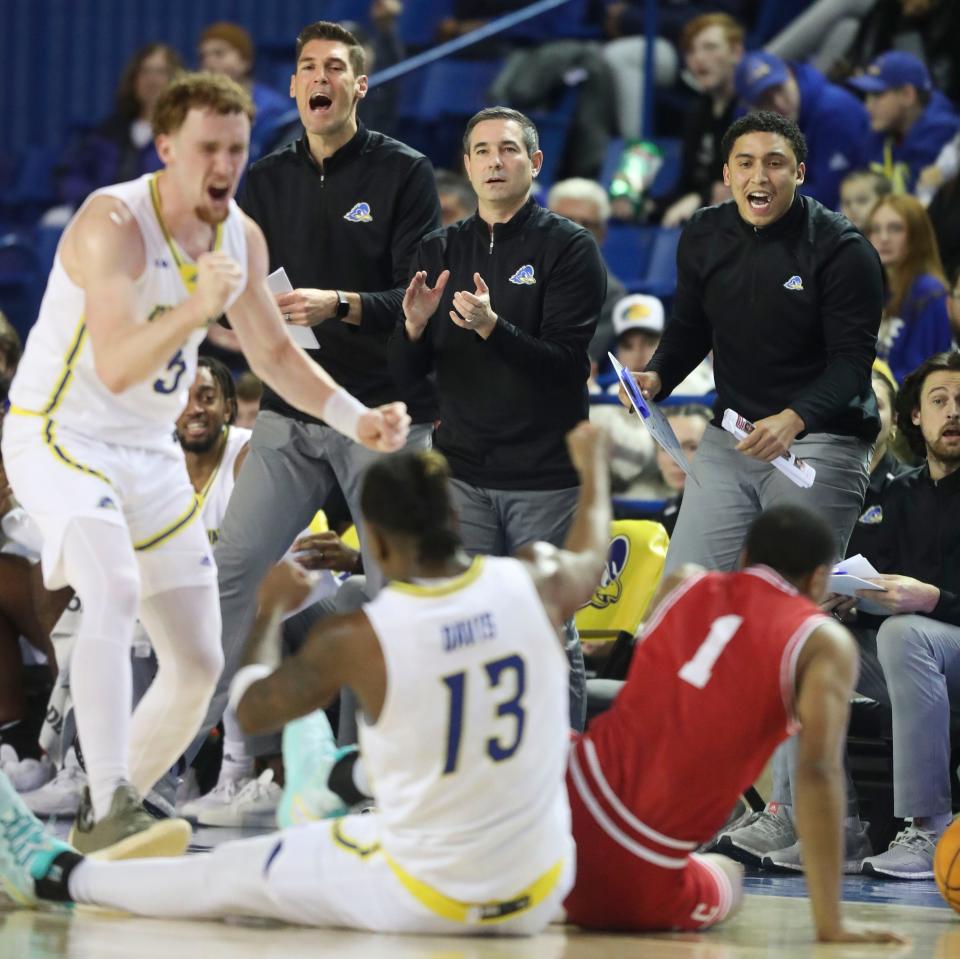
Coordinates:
[772,829]
[128,831]
[856,848]
[910,856]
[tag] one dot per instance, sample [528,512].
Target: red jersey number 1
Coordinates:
[697,671]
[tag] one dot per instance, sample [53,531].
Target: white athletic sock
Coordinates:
[360,778]
[99,563]
[184,628]
[237,761]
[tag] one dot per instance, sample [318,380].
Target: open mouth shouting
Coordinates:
[320,103]
[759,201]
[218,193]
[951,432]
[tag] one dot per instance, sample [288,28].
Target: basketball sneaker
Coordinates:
[60,796]
[770,830]
[26,851]
[856,842]
[25,774]
[309,753]
[233,777]
[128,831]
[254,804]
[910,856]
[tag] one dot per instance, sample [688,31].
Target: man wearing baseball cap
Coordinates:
[835,124]
[911,121]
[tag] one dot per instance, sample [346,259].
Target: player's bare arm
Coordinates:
[103,252]
[280,363]
[567,577]
[342,650]
[826,674]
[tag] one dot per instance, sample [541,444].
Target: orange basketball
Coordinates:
[946,865]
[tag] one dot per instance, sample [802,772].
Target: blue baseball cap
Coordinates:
[896,68]
[756,73]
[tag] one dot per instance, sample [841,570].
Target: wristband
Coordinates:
[243,680]
[343,412]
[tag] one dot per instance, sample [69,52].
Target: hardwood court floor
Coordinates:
[774,924]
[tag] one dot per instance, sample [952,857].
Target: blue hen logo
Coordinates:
[524,276]
[794,283]
[359,214]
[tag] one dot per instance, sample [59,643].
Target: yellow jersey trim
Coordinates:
[185,267]
[205,492]
[465,579]
[168,531]
[362,851]
[66,374]
[50,439]
[479,913]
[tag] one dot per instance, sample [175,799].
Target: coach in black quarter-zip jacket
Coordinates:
[788,295]
[502,307]
[342,210]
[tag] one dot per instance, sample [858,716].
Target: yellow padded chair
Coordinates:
[638,548]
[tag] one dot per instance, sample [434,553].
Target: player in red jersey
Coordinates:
[728,666]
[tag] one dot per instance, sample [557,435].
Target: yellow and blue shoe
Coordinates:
[27,852]
[309,753]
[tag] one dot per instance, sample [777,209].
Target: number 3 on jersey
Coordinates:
[172,375]
[509,670]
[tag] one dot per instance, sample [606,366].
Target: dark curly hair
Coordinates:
[223,378]
[908,399]
[765,121]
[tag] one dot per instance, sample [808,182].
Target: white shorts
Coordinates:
[58,475]
[335,873]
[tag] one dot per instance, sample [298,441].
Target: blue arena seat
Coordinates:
[626,251]
[452,88]
[418,22]
[660,277]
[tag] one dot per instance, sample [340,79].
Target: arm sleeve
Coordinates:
[571,304]
[849,317]
[417,213]
[410,362]
[947,609]
[928,326]
[839,150]
[688,336]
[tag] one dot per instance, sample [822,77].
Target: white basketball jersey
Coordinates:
[216,494]
[56,376]
[468,756]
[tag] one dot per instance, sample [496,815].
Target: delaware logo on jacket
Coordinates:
[524,276]
[794,283]
[359,214]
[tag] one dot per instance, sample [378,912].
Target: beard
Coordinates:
[944,452]
[199,444]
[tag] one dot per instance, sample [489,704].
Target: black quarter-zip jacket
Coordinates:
[918,535]
[507,402]
[352,225]
[791,312]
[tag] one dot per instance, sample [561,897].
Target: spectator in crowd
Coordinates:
[227,48]
[919,642]
[859,193]
[915,322]
[689,424]
[383,47]
[911,120]
[502,308]
[945,167]
[925,28]
[712,46]
[456,196]
[944,212]
[832,120]
[249,394]
[586,203]
[11,349]
[793,330]
[121,147]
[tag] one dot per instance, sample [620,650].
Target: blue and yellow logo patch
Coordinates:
[359,214]
[611,583]
[524,276]
[794,283]
[872,517]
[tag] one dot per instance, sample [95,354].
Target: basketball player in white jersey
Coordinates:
[461,676]
[141,271]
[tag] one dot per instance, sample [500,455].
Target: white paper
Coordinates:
[852,574]
[795,469]
[653,419]
[303,336]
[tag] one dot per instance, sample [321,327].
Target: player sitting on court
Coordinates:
[462,679]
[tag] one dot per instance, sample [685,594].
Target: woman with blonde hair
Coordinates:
[915,322]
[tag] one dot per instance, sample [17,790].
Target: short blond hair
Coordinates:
[204,91]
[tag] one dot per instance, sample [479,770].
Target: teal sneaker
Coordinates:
[309,753]
[26,851]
